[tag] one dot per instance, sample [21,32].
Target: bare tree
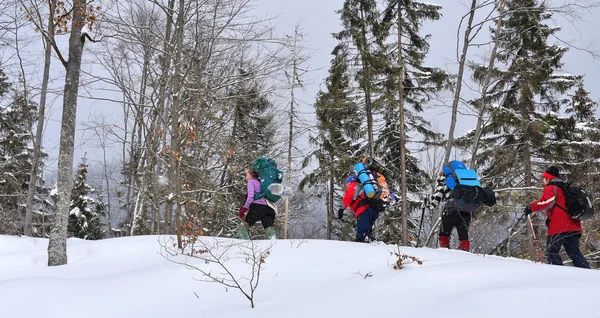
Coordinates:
[37,144]
[459,79]
[57,246]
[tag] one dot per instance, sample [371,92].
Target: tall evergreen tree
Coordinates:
[362,26]
[528,88]
[419,82]
[84,216]
[339,136]
[16,120]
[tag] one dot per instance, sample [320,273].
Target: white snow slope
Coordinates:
[128,277]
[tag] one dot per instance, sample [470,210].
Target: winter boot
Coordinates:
[271,233]
[444,241]
[242,233]
[465,245]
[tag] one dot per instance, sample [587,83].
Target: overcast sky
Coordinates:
[319,20]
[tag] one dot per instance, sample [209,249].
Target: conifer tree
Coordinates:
[419,82]
[84,216]
[16,120]
[339,136]
[362,26]
[528,88]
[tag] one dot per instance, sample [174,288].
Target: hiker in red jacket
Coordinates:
[562,229]
[365,215]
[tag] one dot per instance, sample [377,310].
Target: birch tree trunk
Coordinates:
[461,71]
[57,246]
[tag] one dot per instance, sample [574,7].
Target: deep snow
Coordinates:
[128,277]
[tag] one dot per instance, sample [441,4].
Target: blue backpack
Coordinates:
[456,173]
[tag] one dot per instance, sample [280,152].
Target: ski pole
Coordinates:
[420,225]
[537,243]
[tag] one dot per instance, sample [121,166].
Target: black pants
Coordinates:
[460,220]
[570,241]
[262,213]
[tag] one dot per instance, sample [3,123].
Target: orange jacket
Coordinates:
[354,205]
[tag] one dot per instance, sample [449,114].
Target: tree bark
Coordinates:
[330,208]
[57,245]
[461,71]
[402,132]
[486,85]
[367,89]
[175,129]
[37,144]
[289,159]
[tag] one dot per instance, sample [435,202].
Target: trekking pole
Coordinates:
[537,243]
[421,225]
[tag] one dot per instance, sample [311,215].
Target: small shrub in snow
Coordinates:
[243,275]
[404,259]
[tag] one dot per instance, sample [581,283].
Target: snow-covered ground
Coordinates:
[128,277]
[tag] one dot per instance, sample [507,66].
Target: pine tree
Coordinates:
[84,216]
[16,120]
[362,26]
[339,136]
[528,89]
[419,82]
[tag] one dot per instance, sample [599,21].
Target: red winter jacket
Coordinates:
[560,221]
[349,195]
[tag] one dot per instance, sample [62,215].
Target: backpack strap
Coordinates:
[355,198]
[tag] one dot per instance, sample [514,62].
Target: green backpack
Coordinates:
[268,174]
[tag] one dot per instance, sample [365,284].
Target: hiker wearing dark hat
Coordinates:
[562,229]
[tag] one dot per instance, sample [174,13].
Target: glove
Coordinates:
[340,213]
[242,213]
[527,211]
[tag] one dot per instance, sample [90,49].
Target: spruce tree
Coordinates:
[528,89]
[362,26]
[16,120]
[85,212]
[338,139]
[419,82]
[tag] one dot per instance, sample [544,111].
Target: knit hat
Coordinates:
[551,173]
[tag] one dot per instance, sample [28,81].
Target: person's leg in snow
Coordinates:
[262,213]
[571,244]
[364,225]
[553,244]
[462,227]
[448,222]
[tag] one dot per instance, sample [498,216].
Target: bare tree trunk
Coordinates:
[149,157]
[461,71]
[330,208]
[37,143]
[289,161]
[175,131]
[162,91]
[486,85]
[57,246]
[367,89]
[402,132]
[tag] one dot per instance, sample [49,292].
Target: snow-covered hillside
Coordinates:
[128,277]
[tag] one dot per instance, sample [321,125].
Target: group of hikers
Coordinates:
[458,190]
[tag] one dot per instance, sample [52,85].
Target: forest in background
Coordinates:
[200,89]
